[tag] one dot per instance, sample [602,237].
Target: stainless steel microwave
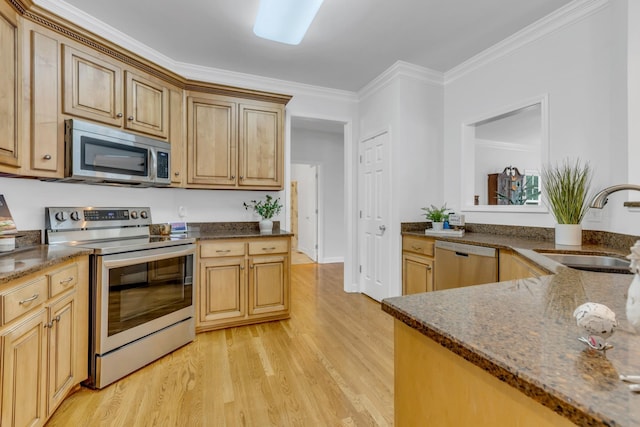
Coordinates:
[103,155]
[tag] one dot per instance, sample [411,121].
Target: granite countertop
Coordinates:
[24,261]
[233,230]
[523,332]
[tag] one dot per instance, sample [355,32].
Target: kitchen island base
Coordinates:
[434,386]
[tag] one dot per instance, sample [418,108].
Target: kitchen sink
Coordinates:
[603,263]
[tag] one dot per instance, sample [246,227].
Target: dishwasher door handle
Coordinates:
[462,254]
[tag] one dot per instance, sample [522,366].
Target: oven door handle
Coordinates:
[130,258]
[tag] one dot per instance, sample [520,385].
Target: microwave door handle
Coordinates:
[153,164]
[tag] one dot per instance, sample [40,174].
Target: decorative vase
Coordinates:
[437,226]
[633,294]
[266,226]
[569,234]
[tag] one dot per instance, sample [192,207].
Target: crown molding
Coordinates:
[557,20]
[401,69]
[188,71]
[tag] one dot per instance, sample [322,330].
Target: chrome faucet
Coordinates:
[600,199]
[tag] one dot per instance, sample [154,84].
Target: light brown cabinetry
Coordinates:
[44,336]
[242,281]
[417,264]
[94,87]
[9,90]
[234,143]
[514,267]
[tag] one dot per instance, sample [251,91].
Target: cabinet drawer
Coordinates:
[268,246]
[418,245]
[63,279]
[22,299]
[218,249]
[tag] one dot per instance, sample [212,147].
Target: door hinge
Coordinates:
[360,269]
[360,158]
[316,246]
[360,214]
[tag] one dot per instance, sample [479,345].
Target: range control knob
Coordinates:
[75,216]
[61,216]
[133,214]
[144,214]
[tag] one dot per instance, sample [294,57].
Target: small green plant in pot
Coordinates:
[267,209]
[437,215]
[566,188]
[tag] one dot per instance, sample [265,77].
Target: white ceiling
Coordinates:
[349,43]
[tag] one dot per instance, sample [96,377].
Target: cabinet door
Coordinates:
[417,274]
[177,137]
[9,78]
[268,284]
[261,157]
[23,376]
[46,147]
[222,291]
[92,87]
[513,267]
[211,142]
[62,349]
[147,105]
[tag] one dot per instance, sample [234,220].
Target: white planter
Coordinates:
[437,226]
[569,234]
[266,226]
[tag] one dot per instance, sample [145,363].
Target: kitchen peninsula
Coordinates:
[460,354]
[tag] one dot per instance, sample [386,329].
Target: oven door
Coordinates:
[139,293]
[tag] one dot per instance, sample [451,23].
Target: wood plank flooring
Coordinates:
[331,364]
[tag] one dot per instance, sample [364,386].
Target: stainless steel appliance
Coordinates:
[141,286]
[459,264]
[100,154]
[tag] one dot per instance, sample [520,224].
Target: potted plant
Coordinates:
[437,216]
[267,209]
[566,189]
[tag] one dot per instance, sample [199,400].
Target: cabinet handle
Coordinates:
[66,281]
[416,248]
[119,115]
[223,251]
[269,249]
[130,118]
[47,157]
[34,297]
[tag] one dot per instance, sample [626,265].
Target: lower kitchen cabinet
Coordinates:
[44,338]
[242,281]
[514,267]
[417,264]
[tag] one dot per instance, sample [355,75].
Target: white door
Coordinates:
[307,178]
[374,214]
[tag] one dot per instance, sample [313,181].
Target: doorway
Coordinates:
[304,212]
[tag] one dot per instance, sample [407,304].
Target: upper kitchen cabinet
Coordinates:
[94,87]
[234,143]
[9,90]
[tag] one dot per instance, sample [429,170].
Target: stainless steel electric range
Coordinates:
[141,286]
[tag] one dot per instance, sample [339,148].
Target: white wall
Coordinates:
[326,150]
[406,102]
[575,66]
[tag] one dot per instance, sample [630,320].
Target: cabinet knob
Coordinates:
[241,177]
[119,115]
[47,157]
[428,268]
[242,267]
[176,173]
[130,118]
[233,177]
[251,266]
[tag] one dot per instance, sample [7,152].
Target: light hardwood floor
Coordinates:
[331,364]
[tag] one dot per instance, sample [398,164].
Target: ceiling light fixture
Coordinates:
[285,21]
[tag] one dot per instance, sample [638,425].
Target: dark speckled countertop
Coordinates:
[24,261]
[523,332]
[233,230]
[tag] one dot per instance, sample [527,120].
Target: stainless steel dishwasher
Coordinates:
[459,264]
